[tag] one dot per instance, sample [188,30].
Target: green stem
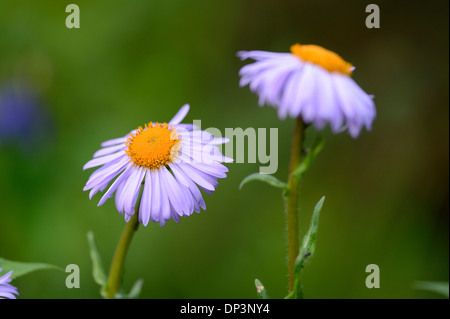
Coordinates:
[116,271]
[292,204]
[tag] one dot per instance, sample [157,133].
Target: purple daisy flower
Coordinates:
[7,290]
[169,161]
[311,82]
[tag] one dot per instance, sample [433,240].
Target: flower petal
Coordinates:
[180,115]
[145,208]
[116,184]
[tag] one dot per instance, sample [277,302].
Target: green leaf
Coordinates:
[97,266]
[23,268]
[269,179]
[134,292]
[136,289]
[311,155]
[261,290]
[440,287]
[291,295]
[306,250]
[309,241]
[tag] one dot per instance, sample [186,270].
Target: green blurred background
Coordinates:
[139,61]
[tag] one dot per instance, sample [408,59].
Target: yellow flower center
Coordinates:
[154,146]
[325,58]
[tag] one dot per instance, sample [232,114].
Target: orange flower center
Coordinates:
[154,146]
[325,58]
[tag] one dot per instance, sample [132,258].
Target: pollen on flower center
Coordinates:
[325,58]
[153,146]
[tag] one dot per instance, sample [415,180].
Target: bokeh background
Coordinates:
[64,91]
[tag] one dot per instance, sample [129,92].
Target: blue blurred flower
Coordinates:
[7,290]
[22,120]
[311,82]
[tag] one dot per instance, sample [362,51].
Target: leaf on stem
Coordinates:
[306,250]
[269,179]
[97,266]
[136,289]
[134,292]
[309,241]
[23,268]
[311,155]
[261,290]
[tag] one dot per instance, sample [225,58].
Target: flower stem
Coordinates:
[116,271]
[292,204]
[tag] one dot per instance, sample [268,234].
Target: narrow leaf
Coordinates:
[309,241]
[306,251]
[269,179]
[97,266]
[136,289]
[440,287]
[292,295]
[311,155]
[261,290]
[23,268]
